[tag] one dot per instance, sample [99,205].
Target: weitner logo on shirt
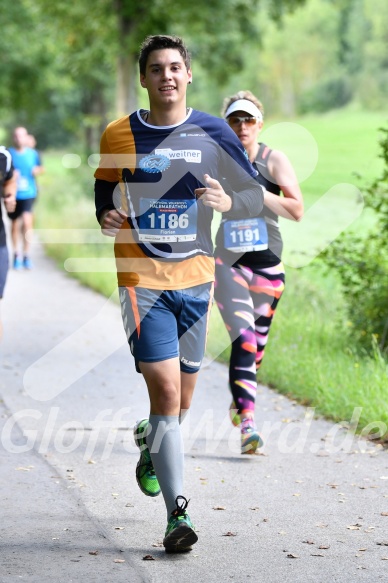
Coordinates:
[193,156]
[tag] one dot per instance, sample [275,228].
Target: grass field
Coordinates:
[310,355]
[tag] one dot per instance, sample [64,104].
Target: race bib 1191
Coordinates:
[244,235]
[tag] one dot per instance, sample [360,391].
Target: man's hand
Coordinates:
[9,202]
[111,221]
[214,195]
[37,170]
[9,194]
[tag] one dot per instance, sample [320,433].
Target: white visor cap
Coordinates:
[244,105]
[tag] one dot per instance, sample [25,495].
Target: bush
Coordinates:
[362,264]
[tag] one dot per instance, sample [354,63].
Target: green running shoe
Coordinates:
[180,533]
[145,473]
[250,438]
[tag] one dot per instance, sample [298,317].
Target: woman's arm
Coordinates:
[289,206]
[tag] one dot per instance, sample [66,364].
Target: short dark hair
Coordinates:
[156,43]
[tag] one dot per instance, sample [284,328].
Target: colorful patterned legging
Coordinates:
[247,300]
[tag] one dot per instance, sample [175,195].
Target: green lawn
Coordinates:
[310,355]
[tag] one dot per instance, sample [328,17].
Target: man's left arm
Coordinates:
[246,193]
[245,203]
[38,167]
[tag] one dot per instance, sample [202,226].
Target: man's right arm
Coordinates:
[9,186]
[109,218]
[9,194]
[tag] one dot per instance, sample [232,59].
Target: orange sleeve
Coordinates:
[107,169]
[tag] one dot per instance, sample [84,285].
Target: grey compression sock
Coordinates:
[166,448]
[182,415]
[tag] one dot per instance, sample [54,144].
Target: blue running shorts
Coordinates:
[163,324]
[3,268]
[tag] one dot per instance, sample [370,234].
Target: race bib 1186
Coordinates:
[167,220]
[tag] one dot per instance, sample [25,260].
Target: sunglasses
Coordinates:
[235,120]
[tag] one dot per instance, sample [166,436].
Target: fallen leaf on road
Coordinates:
[218,507]
[229,533]
[129,505]
[91,462]
[317,555]
[384,514]
[324,547]
[292,556]
[308,542]
[93,552]
[148,558]
[383,543]
[119,561]
[119,527]
[354,527]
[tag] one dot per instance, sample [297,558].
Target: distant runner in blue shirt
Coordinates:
[27,166]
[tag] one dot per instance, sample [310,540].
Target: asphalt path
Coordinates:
[311,507]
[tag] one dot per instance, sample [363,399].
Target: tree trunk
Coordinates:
[126,90]
[126,87]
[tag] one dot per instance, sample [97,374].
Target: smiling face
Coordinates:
[166,78]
